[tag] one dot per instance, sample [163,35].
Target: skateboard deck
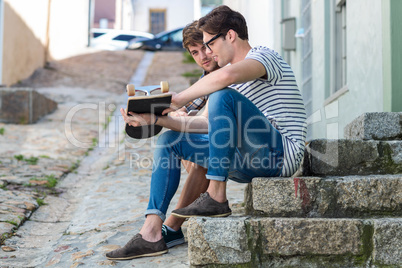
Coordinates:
[147,103]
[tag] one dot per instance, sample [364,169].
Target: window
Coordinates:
[177,36]
[340,45]
[157,20]
[124,37]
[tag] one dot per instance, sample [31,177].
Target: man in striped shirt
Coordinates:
[266,109]
[254,125]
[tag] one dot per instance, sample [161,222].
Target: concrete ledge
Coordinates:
[375,126]
[335,197]
[352,157]
[23,105]
[278,242]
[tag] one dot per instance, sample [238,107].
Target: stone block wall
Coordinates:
[23,105]
[345,211]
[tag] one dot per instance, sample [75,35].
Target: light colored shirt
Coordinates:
[279,99]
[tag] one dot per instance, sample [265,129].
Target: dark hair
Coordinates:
[191,35]
[221,19]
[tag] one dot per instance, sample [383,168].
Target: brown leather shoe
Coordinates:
[138,247]
[204,206]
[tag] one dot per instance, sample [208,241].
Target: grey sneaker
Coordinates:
[204,206]
[172,238]
[138,247]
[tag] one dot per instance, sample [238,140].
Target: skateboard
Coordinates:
[147,103]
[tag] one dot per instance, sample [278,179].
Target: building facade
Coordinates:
[33,32]
[345,54]
[151,16]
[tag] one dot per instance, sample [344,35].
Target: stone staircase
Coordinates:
[344,211]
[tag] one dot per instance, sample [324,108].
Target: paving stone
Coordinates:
[6,228]
[352,157]
[33,228]
[52,211]
[375,126]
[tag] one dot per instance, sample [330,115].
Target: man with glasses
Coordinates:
[254,125]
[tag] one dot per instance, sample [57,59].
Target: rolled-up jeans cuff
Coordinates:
[216,178]
[155,212]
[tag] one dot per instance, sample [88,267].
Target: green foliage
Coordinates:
[12,222]
[93,145]
[19,157]
[51,181]
[188,58]
[40,202]
[75,165]
[32,160]
[194,73]
[2,130]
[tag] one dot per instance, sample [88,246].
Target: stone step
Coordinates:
[23,105]
[352,157]
[294,242]
[375,126]
[332,197]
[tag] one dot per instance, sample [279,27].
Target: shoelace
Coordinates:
[133,239]
[164,230]
[201,198]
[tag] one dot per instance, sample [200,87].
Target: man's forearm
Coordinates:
[240,72]
[193,124]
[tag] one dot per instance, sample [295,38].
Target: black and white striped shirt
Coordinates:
[279,99]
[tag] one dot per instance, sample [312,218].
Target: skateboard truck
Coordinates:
[131,90]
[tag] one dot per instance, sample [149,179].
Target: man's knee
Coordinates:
[226,97]
[169,138]
[222,95]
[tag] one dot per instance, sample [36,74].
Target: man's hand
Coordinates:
[137,120]
[175,105]
[181,112]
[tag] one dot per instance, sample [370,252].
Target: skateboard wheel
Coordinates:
[130,90]
[164,87]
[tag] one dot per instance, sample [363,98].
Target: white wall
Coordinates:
[364,68]
[1,39]
[68,28]
[260,16]
[365,60]
[364,57]
[178,13]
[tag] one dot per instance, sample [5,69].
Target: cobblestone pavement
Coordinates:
[103,178]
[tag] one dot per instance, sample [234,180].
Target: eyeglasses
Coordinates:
[211,40]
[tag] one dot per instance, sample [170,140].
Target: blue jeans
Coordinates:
[241,144]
